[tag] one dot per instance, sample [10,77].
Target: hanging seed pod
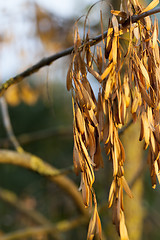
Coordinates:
[128,85]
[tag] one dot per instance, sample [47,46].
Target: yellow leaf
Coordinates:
[115,25]
[107,71]
[134,105]
[115,162]
[142,130]
[85,190]
[92,225]
[119,13]
[108,88]
[114,49]
[126,187]
[98,226]
[69,78]
[109,41]
[143,70]
[94,73]
[89,163]
[123,229]
[155,34]
[145,95]
[77,40]
[152,5]
[80,120]
[148,23]
[123,109]
[91,138]
[76,159]
[111,193]
[146,129]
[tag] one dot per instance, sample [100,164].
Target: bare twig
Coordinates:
[8,125]
[136,18]
[36,164]
[48,60]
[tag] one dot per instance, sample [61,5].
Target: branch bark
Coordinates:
[36,164]
[48,60]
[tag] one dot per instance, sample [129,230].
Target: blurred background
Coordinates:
[40,110]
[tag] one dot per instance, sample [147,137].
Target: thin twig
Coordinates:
[8,125]
[136,18]
[36,164]
[48,60]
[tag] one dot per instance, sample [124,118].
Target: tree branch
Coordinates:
[48,60]
[136,18]
[36,164]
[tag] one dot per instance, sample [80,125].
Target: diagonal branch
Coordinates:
[48,60]
[36,164]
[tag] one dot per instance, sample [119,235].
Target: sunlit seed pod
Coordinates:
[85,190]
[152,5]
[114,49]
[111,193]
[108,45]
[99,59]
[115,162]
[115,25]
[107,71]
[69,78]
[126,187]
[122,227]
[141,137]
[98,160]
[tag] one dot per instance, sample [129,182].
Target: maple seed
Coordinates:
[128,86]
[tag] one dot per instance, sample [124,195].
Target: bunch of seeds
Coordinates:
[129,81]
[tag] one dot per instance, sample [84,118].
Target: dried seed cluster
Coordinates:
[128,71]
